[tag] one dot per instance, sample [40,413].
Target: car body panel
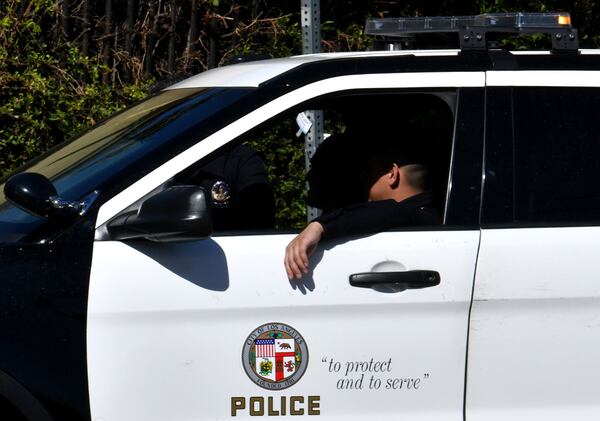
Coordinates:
[169,344]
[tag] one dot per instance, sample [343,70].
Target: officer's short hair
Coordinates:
[416,175]
[383,154]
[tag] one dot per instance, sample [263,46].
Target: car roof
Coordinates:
[255,73]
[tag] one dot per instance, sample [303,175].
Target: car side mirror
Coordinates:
[35,194]
[32,192]
[178,213]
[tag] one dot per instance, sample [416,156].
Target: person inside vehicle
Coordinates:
[334,155]
[397,196]
[238,190]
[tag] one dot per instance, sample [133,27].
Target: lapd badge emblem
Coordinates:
[275,356]
[220,194]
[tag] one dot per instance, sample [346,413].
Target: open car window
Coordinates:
[259,182]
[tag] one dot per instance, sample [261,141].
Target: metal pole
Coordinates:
[311,43]
[311,26]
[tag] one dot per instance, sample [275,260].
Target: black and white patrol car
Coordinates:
[119,301]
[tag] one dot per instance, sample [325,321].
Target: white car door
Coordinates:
[534,331]
[212,329]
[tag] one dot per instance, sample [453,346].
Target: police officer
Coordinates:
[338,154]
[238,190]
[397,194]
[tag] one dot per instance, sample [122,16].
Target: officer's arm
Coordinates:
[300,248]
[364,218]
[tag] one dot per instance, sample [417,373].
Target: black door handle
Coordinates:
[395,281]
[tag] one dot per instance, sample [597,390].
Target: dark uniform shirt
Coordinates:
[238,190]
[378,216]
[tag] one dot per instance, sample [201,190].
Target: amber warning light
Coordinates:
[564,20]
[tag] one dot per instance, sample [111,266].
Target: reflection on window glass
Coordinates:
[158,127]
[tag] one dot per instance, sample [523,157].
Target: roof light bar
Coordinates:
[473,28]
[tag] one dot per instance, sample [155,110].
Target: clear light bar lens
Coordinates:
[516,21]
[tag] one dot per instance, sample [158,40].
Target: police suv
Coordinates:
[121,298]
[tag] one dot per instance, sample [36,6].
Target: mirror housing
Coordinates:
[31,192]
[178,213]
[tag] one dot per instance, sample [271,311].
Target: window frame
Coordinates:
[208,146]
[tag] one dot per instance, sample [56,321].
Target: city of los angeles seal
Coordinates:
[275,356]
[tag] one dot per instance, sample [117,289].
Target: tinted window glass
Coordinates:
[557,144]
[159,126]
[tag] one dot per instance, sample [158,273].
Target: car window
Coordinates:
[273,156]
[556,149]
[124,146]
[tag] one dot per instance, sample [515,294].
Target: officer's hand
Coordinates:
[298,250]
